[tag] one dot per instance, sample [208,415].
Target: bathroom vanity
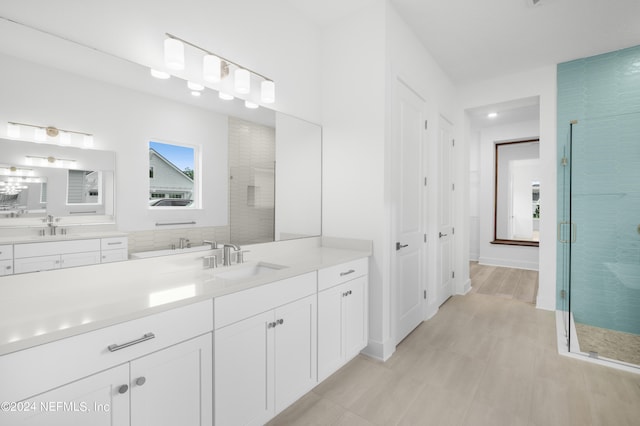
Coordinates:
[165,341]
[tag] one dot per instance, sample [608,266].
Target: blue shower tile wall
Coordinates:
[603,93]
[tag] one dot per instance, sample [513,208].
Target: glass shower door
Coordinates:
[604,233]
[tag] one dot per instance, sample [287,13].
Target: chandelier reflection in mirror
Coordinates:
[215,69]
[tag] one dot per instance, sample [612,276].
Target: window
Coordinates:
[172,175]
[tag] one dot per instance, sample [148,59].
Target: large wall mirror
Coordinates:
[517,193]
[261,196]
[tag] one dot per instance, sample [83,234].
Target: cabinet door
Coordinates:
[295,350]
[6,267]
[79,259]
[95,400]
[330,333]
[34,264]
[244,371]
[109,256]
[355,314]
[174,386]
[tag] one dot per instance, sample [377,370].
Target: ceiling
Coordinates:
[475,40]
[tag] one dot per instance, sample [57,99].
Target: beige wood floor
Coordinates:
[482,360]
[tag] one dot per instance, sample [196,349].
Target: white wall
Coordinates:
[353,117]
[362,57]
[538,82]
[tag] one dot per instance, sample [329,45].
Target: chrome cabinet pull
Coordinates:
[115,347]
[442,235]
[123,389]
[280,321]
[350,271]
[401,246]
[271,325]
[141,381]
[114,244]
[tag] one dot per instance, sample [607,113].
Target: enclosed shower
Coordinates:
[598,229]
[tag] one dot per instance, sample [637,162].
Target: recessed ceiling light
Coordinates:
[492,115]
[196,93]
[194,86]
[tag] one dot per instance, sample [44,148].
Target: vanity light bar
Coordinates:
[41,132]
[216,67]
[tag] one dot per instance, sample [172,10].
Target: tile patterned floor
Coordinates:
[482,360]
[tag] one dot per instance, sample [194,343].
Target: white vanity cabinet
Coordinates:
[156,370]
[6,259]
[114,249]
[265,349]
[43,256]
[32,257]
[342,314]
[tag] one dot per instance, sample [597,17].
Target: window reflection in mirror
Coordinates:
[517,193]
[172,175]
[84,187]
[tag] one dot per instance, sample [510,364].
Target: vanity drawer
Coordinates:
[114,243]
[6,252]
[56,247]
[44,367]
[334,275]
[247,303]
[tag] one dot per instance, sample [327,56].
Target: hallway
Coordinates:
[482,360]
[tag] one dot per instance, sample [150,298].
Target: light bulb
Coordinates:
[65,138]
[160,74]
[268,92]
[242,83]
[225,96]
[13,130]
[174,54]
[211,68]
[194,86]
[40,134]
[87,141]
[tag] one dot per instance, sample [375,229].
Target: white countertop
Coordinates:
[41,307]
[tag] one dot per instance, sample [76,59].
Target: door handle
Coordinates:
[400,246]
[441,234]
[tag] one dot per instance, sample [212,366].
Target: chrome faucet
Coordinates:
[50,223]
[214,244]
[227,253]
[184,242]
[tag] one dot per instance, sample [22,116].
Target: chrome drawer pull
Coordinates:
[114,244]
[114,347]
[350,271]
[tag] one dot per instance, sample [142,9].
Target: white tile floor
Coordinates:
[482,360]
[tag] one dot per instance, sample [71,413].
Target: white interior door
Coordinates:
[445,212]
[409,217]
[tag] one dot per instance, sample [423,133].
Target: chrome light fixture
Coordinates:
[216,68]
[40,134]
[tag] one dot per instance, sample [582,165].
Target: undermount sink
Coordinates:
[247,270]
